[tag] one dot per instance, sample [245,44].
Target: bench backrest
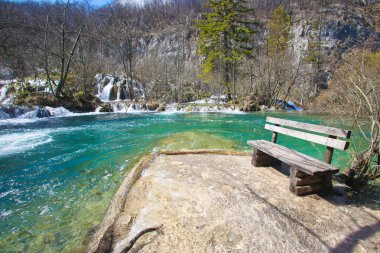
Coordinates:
[330,141]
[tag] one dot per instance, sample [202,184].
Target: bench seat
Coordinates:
[294,159]
[307,174]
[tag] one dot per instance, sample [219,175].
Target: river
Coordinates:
[58,175]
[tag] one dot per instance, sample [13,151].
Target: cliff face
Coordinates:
[341,28]
[169,44]
[167,56]
[335,29]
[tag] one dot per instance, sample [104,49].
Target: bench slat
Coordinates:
[311,127]
[334,143]
[293,158]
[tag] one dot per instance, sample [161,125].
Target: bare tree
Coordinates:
[65,56]
[359,79]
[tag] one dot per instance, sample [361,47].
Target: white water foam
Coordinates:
[21,142]
[20,121]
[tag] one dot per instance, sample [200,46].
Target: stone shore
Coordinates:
[213,201]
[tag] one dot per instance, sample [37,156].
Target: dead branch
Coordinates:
[141,233]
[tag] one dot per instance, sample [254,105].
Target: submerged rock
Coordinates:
[152,106]
[161,108]
[42,113]
[105,108]
[3,114]
[36,113]
[8,112]
[59,111]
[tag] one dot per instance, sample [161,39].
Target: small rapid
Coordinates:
[18,143]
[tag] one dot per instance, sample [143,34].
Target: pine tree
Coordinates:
[278,73]
[225,37]
[279,32]
[314,55]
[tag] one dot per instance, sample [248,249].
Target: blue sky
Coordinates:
[99,2]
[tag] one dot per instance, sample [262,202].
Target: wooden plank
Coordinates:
[311,127]
[306,181]
[293,158]
[261,159]
[274,136]
[305,190]
[297,173]
[329,142]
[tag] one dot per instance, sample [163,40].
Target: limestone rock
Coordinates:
[152,106]
[105,108]
[6,73]
[220,203]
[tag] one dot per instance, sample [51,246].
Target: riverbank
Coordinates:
[196,201]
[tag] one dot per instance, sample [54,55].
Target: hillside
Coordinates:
[157,45]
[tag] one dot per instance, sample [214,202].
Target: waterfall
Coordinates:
[119,107]
[3,92]
[106,93]
[99,79]
[100,88]
[131,108]
[119,90]
[115,88]
[171,108]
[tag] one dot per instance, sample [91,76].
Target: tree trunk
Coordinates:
[227,80]
[65,70]
[360,171]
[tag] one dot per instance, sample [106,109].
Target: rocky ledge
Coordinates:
[200,202]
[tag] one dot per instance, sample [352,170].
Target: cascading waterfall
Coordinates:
[116,88]
[119,90]
[106,93]
[3,92]
[131,108]
[119,107]
[100,88]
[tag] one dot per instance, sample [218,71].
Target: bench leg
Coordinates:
[261,159]
[304,184]
[327,182]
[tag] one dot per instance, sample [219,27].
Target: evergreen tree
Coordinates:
[314,55]
[225,37]
[278,72]
[279,32]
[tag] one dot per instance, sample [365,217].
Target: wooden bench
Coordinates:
[307,174]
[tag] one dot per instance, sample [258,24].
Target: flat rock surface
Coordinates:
[221,203]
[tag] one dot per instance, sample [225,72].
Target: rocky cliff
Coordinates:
[337,28]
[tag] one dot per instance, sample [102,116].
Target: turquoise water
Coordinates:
[58,175]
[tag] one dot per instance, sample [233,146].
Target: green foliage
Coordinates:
[205,94]
[314,54]
[22,93]
[279,32]
[225,35]
[78,94]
